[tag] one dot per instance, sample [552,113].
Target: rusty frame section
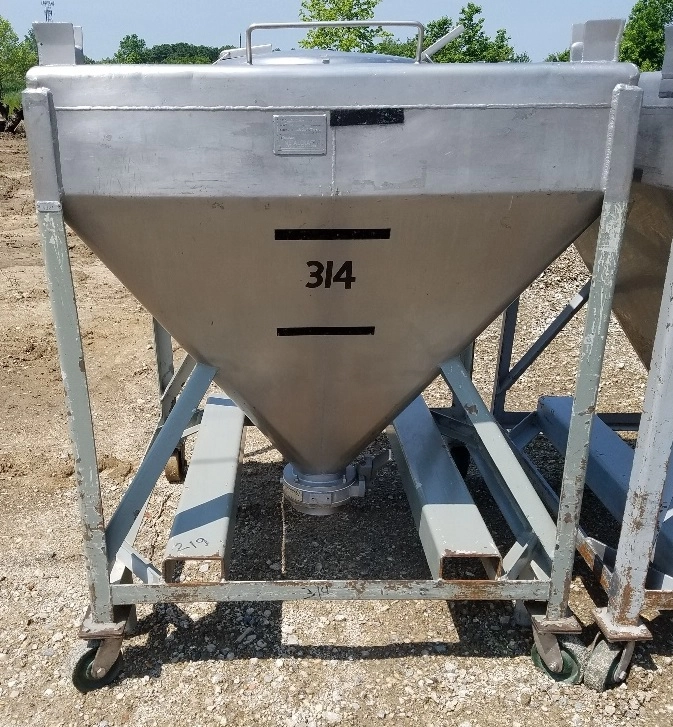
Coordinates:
[335,590]
[651,483]
[618,173]
[661,600]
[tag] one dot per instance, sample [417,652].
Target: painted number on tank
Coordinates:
[323,275]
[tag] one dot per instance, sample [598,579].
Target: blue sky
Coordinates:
[538,27]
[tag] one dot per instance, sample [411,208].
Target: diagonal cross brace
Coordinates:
[155,460]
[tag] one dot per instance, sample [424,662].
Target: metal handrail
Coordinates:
[338,24]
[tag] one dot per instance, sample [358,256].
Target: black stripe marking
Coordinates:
[366,117]
[327,331]
[359,233]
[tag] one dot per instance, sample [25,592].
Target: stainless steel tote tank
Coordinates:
[649,228]
[327,233]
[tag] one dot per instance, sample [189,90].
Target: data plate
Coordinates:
[300,134]
[291,493]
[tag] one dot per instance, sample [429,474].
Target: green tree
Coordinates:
[471,46]
[561,57]
[643,42]
[182,53]
[132,49]
[186,60]
[16,57]
[343,39]
[31,40]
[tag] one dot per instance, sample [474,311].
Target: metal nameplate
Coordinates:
[48,206]
[299,134]
[292,493]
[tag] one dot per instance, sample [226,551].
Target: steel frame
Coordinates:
[650,492]
[507,374]
[538,568]
[635,575]
[639,486]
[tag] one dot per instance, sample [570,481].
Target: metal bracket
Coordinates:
[549,650]
[59,44]
[106,656]
[91,629]
[368,469]
[568,624]
[620,632]
[622,665]
[597,40]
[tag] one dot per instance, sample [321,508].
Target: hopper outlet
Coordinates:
[321,494]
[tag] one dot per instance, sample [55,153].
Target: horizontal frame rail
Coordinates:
[661,600]
[502,590]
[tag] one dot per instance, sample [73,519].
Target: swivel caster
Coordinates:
[607,665]
[82,673]
[574,655]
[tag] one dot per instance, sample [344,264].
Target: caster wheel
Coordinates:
[82,677]
[600,671]
[579,652]
[572,667]
[176,467]
[461,456]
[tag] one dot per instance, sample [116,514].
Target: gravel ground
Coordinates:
[302,663]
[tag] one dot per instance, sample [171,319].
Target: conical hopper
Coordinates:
[649,229]
[327,235]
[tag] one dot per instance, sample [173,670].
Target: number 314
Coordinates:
[322,274]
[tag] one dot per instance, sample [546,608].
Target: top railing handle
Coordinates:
[337,24]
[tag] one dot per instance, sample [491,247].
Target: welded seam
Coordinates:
[337,107]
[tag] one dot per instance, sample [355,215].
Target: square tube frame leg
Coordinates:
[647,487]
[101,544]
[39,116]
[620,154]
